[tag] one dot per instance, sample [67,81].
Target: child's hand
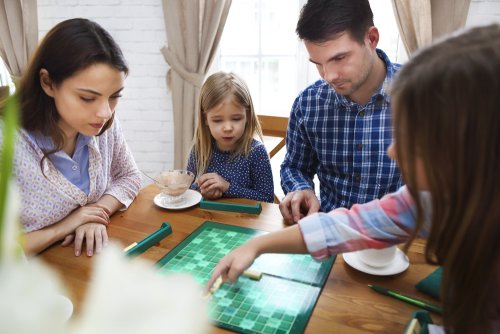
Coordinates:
[231,266]
[212,185]
[212,194]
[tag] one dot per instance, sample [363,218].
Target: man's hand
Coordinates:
[298,204]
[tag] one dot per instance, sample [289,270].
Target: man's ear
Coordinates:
[372,37]
[46,83]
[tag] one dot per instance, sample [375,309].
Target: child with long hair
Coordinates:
[226,158]
[72,164]
[446,108]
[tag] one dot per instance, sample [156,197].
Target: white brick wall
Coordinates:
[145,110]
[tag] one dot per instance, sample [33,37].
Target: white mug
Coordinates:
[377,257]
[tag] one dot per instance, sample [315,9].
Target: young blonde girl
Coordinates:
[226,158]
[446,108]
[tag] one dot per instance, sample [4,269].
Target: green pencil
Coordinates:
[408,299]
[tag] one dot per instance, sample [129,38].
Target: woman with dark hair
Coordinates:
[72,163]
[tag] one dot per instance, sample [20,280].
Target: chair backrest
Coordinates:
[274,126]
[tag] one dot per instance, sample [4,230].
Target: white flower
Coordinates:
[31,299]
[131,296]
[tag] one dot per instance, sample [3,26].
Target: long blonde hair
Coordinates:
[446,105]
[218,87]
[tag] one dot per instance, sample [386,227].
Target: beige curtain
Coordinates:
[421,21]
[194,29]
[18,33]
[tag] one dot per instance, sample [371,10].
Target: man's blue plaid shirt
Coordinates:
[343,143]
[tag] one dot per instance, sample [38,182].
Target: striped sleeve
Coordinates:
[376,224]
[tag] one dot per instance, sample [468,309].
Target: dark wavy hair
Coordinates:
[69,47]
[446,112]
[322,20]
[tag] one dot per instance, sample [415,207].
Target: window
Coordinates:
[385,21]
[5,79]
[259,43]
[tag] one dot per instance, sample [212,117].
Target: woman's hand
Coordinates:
[102,206]
[37,241]
[212,185]
[88,221]
[83,215]
[93,233]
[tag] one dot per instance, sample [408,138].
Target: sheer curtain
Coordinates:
[18,33]
[194,29]
[421,21]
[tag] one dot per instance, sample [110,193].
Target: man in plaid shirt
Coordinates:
[340,126]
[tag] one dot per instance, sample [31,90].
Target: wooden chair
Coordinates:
[274,126]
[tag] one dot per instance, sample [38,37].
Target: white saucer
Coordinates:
[397,266]
[191,197]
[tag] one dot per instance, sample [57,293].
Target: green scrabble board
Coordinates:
[280,302]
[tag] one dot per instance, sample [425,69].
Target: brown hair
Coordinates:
[218,87]
[69,47]
[322,20]
[446,105]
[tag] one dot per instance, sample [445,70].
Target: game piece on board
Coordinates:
[218,282]
[253,274]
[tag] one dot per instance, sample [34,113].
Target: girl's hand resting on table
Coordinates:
[231,266]
[212,185]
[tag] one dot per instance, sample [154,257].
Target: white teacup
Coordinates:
[378,257]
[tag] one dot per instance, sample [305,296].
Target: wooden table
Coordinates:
[346,304]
